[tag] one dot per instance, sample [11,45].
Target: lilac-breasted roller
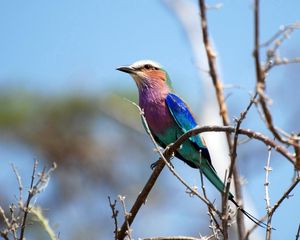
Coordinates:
[168,117]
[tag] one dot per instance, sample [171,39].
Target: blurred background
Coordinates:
[62,101]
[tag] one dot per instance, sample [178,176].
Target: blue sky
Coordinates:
[55,47]
[48,44]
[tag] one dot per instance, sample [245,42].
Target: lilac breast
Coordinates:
[156,111]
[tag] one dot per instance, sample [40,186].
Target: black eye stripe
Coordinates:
[149,66]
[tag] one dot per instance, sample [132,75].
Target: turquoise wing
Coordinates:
[183,116]
[186,121]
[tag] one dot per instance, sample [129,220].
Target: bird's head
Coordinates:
[147,73]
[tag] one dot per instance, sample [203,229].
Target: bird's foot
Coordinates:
[172,166]
[153,165]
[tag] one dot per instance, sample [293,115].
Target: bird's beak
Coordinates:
[126,69]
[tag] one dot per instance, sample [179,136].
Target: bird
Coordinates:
[168,117]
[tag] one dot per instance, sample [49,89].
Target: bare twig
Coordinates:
[127,215]
[176,238]
[260,78]
[267,196]
[35,188]
[298,232]
[16,221]
[18,176]
[114,215]
[282,31]
[268,169]
[31,193]
[276,205]
[2,214]
[297,152]
[14,225]
[211,58]
[214,225]
[161,163]
[249,231]
[233,156]
[141,198]
[251,134]
[285,195]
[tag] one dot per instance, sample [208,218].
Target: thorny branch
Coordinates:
[114,215]
[32,191]
[141,199]
[286,195]
[267,196]
[127,215]
[173,147]
[18,176]
[298,232]
[284,30]
[273,57]
[214,225]
[233,156]
[272,210]
[247,132]
[211,58]
[16,222]
[261,75]
[177,238]
[268,169]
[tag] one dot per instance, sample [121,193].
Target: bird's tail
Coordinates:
[212,176]
[248,215]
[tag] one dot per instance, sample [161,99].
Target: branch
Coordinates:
[282,31]
[267,169]
[141,199]
[176,145]
[114,215]
[285,195]
[175,238]
[276,205]
[251,134]
[35,188]
[18,176]
[214,225]
[260,81]
[127,215]
[30,195]
[298,232]
[233,156]
[273,57]
[211,58]
[267,196]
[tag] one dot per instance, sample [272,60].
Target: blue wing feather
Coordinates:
[186,121]
[183,116]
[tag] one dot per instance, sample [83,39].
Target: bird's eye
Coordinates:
[148,66]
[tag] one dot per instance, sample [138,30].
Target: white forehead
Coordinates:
[142,63]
